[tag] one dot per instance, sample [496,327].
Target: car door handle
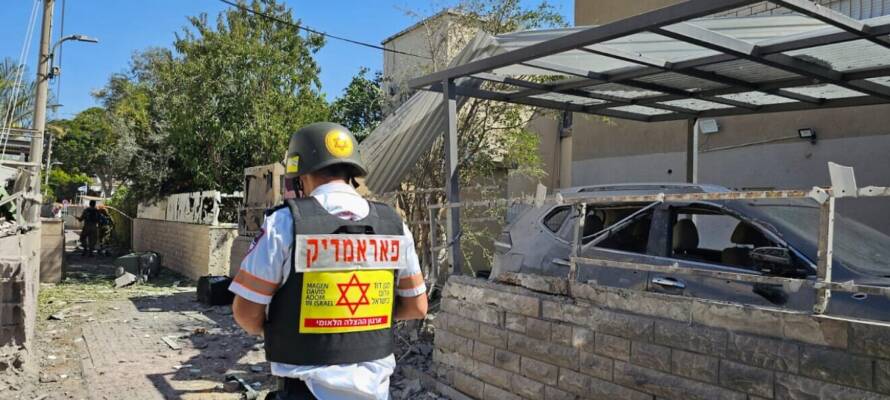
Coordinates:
[668,282]
[562,261]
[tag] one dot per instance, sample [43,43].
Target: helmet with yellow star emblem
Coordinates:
[321,145]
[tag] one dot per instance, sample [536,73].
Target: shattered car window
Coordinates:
[857,245]
[632,236]
[555,219]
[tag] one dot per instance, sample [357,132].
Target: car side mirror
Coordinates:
[776,261]
[772,256]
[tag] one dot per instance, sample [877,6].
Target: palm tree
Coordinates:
[15,109]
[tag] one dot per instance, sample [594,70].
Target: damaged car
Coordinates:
[674,241]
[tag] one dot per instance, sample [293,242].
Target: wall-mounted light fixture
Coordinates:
[807,133]
[708,126]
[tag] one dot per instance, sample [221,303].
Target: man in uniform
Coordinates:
[89,234]
[327,275]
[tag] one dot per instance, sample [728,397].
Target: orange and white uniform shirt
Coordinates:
[266,267]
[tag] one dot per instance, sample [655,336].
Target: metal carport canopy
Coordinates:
[615,71]
[609,70]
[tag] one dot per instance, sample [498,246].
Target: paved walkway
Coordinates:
[145,341]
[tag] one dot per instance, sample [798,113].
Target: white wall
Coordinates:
[626,169]
[796,164]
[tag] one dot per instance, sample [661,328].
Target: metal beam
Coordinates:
[813,40]
[667,67]
[452,176]
[833,18]
[543,103]
[664,16]
[784,107]
[741,49]
[535,88]
[601,78]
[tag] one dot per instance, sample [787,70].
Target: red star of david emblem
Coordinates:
[344,289]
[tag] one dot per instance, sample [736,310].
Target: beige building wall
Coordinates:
[192,250]
[599,12]
[52,250]
[436,39]
[756,151]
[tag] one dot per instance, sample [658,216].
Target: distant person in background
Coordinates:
[106,225]
[90,232]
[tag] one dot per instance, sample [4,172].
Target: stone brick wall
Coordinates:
[190,249]
[502,341]
[19,284]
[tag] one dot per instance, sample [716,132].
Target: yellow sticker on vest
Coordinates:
[347,301]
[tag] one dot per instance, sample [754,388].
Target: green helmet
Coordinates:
[321,145]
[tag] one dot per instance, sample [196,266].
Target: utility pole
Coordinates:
[43,61]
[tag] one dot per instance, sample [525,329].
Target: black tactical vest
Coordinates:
[284,341]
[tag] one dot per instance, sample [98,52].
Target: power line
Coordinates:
[59,78]
[310,30]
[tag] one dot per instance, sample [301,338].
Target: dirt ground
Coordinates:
[155,341]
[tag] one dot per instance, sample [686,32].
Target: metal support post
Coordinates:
[826,246]
[565,150]
[434,246]
[692,152]
[452,178]
[577,243]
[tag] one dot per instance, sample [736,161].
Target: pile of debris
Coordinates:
[12,373]
[414,359]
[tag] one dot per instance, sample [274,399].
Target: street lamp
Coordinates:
[54,71]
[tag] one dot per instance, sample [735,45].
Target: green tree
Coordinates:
[360,108]
[15,108]
[233,94]
[226,97]
[91,147]
[63,185]
[137,120]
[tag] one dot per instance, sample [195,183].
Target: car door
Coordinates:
[625,241]
[683,280]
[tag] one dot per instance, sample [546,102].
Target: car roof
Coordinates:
[635,189]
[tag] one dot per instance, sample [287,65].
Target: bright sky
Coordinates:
[124,27]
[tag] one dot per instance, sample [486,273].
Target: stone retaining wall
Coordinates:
[503,341]
[191,249]
[19,284]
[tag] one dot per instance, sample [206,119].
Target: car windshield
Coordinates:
[856,245]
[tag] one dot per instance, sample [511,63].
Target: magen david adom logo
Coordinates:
[339,144]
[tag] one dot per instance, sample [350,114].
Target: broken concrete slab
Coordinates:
[124,280]
[171,341]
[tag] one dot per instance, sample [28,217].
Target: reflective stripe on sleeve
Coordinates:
[413,292]
[255,284]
